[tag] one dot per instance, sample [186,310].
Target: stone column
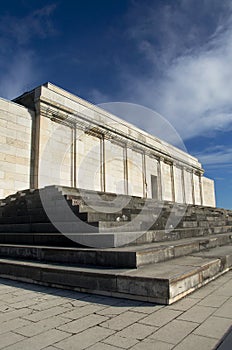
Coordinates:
[201,189]
[173,182]
[159,177]
[125,161]
[34,166]
[144,176]
[102,163]
[74,157]
[193,192]
[183,184]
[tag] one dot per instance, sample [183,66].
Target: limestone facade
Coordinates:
[49,136]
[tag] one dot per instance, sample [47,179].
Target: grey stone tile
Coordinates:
[82,324]
[197,314]
[40,341]
[225,310]
[6,308]
[35,328]
[225,289]
[113,310]
[152,345]
[147,308]
[26,303]
[214,300]
[6,316]
[214,327]
[193,342]
[84,339]
[102,346]
[41,315]
[137,331]
[121,342]
[183,304]
[79,312]
[49,304]
[174,331]
[13,324]
[202,292]
[160,317]
[124,320]
[20,297]
[9,338]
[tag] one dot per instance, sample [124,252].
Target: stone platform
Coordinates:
[182,249]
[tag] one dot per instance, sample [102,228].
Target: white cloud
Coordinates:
[190,80]
[216,156]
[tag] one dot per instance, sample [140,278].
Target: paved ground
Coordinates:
[35,317]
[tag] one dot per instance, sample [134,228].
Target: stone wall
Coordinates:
[208,192]
[68,141]
[15,147]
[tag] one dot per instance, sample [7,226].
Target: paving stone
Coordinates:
[13,324]
[78,302]
[147,308]
[124,320]
[41,315]
[35,328]
[183,304]
[84,339]
[214,327]
[174,331]
[121,342]
[25,303]
[113,310]
[82,324]
[6,316]
[80,312]
[225,289]
[225,310]
[152,345]
[5,290]
[102,346]
[8,339]
[202,292]
[20,297]
[137,331]
[160,317]
[197,314]
[40,341]
[214,300]
[193,342]
[49,304]
[6,308]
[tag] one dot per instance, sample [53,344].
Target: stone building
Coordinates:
[49,136]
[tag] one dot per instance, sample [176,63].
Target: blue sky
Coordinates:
[174,57]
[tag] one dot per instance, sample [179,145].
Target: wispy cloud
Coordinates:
[216,156]
[22,29]
[187,47]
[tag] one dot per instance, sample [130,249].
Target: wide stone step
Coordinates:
[56,226]
[130,256]
[162,283]
[40,218]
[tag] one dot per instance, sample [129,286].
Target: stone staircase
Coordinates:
[113,245]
